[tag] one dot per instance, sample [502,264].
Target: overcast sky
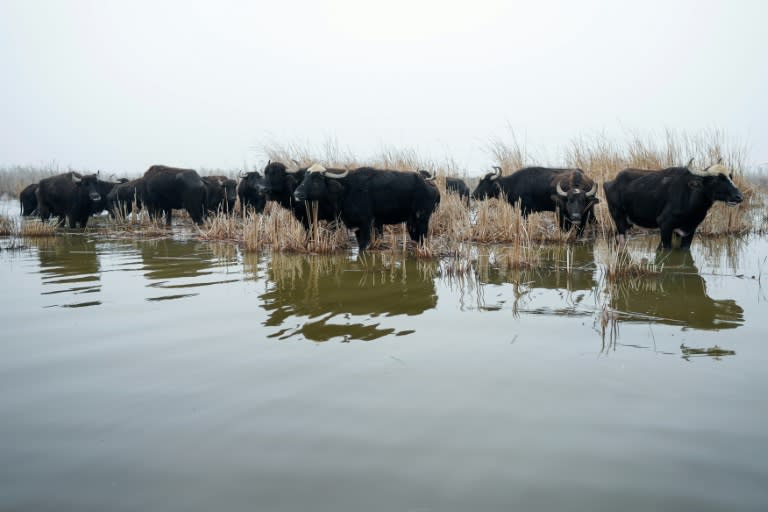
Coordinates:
[119,86]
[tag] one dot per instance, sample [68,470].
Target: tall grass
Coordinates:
[14,178]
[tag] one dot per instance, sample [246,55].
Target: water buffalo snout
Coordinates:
[299,196]
[95,196]
[736,200]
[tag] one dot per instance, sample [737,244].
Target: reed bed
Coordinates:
[26,227]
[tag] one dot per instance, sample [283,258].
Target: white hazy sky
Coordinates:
[121,85]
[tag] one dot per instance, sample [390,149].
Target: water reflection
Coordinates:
[69,265]
[677,296]
[568,271]
[346,299]
[174,265]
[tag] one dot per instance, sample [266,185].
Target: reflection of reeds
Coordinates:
[619,264]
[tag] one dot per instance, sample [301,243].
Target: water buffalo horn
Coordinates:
[334,175]
[75,179]
[560,190]
[242,175]
[591,192]
[690,163]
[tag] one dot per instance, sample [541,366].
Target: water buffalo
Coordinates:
[457,186]
[104,188]
[251,192]
[366,197]
[122,196]
[675,199]
[165,188]
[69,195]
[569,192]
[221,193]
[280,183]
[28,200]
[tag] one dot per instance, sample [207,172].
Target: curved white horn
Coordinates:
[562,192]
[336,176]
[689,164]
[591,192]
[316,168]
[76,178]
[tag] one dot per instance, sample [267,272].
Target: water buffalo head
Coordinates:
[716,182]
[489,185]
[88,185]
[253,180]
[573,200]
[319,183]
[279,180]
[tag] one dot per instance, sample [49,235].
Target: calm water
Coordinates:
[180,375]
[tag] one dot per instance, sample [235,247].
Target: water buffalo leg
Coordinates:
[685,242]
[363,235]
[666,236]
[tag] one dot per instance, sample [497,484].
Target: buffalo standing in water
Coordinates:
[366,197]
[280,183]
[675,199]
[569,192]
[166,188]
[70,196]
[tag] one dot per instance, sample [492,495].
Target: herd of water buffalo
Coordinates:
[674,200]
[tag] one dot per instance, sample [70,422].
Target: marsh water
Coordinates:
[175,374]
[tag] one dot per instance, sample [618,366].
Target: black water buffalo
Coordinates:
[165,188]
[368,197]
[122,196]
[104,188]
[457,186]
[280,183]
[569,192]
[28,200]
[221,193]
[69,195]
[251,192]
[675,199]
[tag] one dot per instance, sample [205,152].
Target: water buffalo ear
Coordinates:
[696,184]
[557,199]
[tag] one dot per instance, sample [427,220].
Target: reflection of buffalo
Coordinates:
[677,296]
[573,286]
[551,273]
[322,288]
[69,265]
[171,259]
